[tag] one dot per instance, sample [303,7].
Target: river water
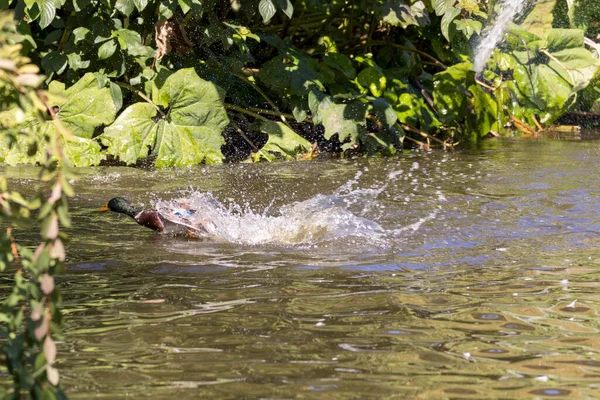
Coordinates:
[472,274]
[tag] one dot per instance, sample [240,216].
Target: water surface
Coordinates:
[435,275]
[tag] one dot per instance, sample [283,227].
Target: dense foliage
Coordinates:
[191,81]
[29,314]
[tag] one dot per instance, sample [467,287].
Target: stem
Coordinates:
[421,144]
[424,134]
[143,96]
[243,135]
[271,112]
[244,111]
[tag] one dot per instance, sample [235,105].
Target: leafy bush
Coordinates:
[179,82]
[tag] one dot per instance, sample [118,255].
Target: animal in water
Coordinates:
[173,217]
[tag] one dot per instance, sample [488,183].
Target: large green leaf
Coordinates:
[282,142]
[550,72]
[80,109]
[83,107]
[188,133]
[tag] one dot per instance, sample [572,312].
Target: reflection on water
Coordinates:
[465,275]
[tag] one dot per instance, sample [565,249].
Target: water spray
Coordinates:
[509,9]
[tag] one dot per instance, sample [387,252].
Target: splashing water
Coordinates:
[509,9]
[343,215]
[320,218]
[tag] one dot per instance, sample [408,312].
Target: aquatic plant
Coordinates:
[30,315]
[193,82]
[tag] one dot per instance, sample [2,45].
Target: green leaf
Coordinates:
[399,13]
[82,152]
[116,94]
[449,93]
[267,10]
[347,120]
[125,6]
[560,39]
[131,41]
[76,63]
[132,133]
[47,11]
[340,62]
[54,62]
[287,7]
[140,4]
[384,112]
[282,141]
[441,6]
[189,134]
[83,107]
[447,19]
[107,49]
[80,34]
[483,116]
[468,27]
[291,74]
[373,79]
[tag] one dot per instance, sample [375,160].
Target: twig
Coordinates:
[270,112]
[420,144]
[537,123]
[244,111]
[485,85]
[243,135]
[13,245]
[424,134]
[522,126]
[143,96]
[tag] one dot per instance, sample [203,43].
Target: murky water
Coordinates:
[465,275]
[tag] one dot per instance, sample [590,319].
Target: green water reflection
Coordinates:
[485,285]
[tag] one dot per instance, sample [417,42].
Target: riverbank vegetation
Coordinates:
[190,81]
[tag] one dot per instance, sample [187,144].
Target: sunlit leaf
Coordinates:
[282,141]
[190,133]
[447,19]
[267,10]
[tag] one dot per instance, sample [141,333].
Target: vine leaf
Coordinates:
[187,134]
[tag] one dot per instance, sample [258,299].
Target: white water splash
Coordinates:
[320,218]
[509,9]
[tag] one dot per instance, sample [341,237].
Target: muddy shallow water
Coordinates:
[465,275]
